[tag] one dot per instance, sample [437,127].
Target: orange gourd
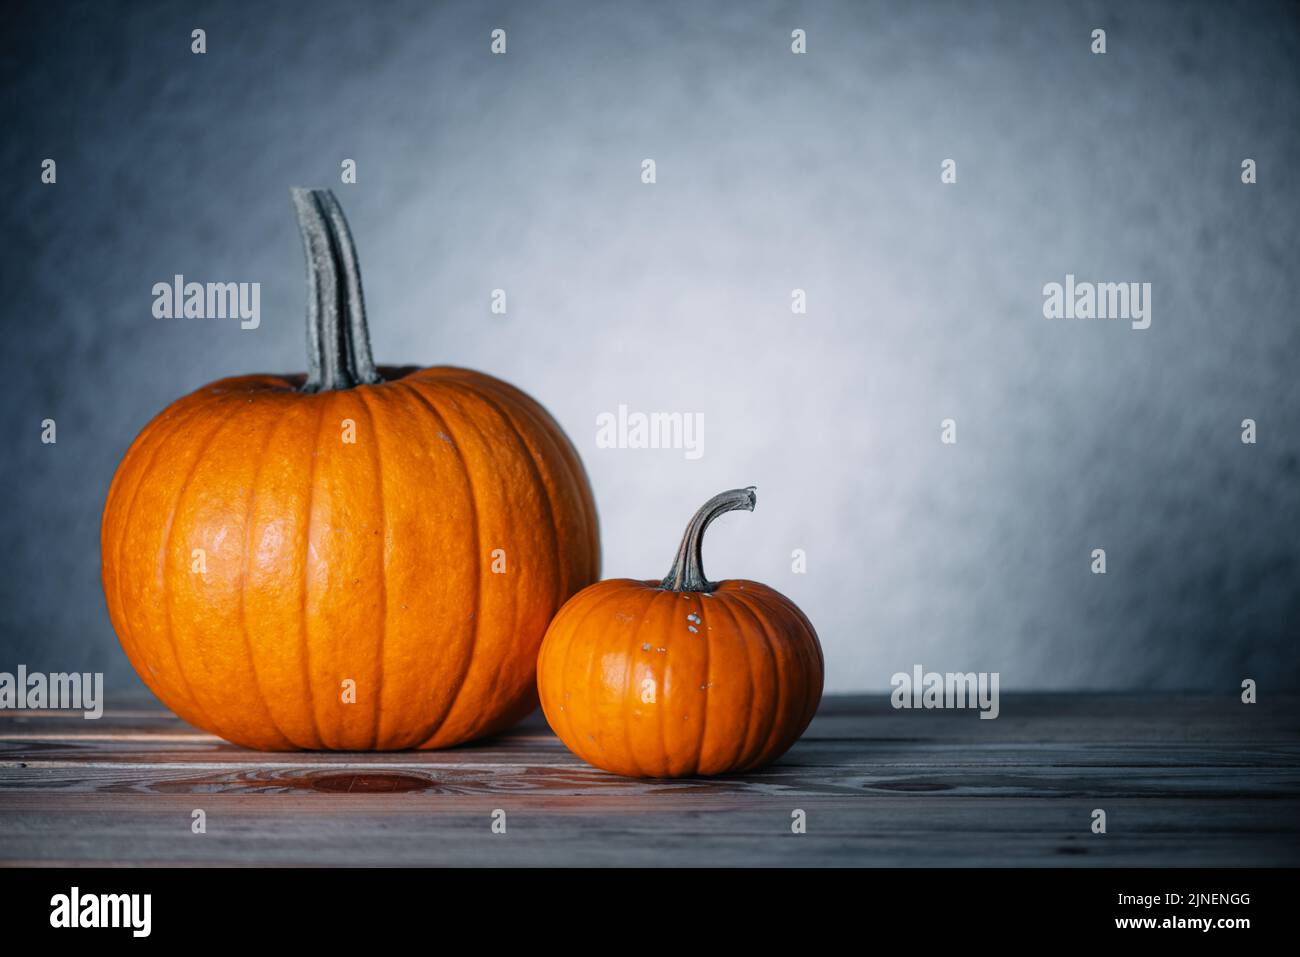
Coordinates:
[683,676]
[358,558]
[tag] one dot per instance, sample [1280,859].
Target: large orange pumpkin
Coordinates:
[683,676]
[361,558]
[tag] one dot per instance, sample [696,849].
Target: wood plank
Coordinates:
[915,830]
[1185,780]
[1051,772]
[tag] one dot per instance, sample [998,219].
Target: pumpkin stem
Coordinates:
[687,573]
[338,342]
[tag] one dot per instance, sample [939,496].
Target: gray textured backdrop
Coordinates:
[775,171]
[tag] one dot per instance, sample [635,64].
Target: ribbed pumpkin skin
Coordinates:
[732,695]
[328,561]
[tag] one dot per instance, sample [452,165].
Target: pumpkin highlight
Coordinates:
[681,677]
[358,558]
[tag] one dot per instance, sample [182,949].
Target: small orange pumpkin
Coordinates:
[359,558]
[683,676]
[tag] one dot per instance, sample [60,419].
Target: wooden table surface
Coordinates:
[1184,780]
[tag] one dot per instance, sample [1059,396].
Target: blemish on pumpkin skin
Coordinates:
[693,617]
[645,647]
[692,629]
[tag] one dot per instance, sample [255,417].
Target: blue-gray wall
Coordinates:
[775,172]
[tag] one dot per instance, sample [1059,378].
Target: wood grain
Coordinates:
[1185,780]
